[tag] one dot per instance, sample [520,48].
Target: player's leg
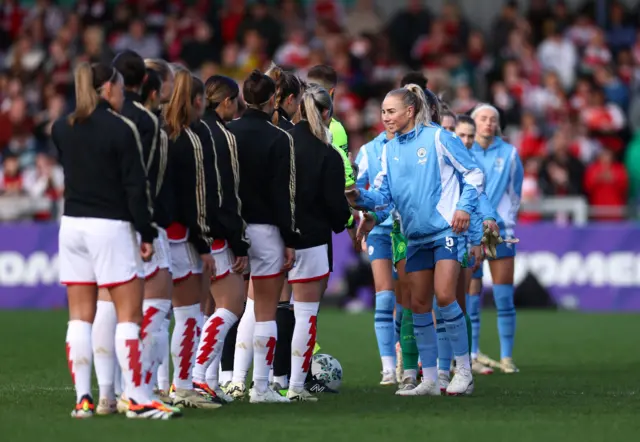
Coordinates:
[447,270]
[187,290]
[228,290]
[308,278]
[164,351]
[243,354]
[474,289]
[502,270]
[104,352]
[285,320]
[380,255]
[227,360]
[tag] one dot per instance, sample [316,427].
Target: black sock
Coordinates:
[229,348]
[285,320]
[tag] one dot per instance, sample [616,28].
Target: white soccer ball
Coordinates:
[327,369]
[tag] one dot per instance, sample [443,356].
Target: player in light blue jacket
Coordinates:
[418,175]
[503,186]
[380,255]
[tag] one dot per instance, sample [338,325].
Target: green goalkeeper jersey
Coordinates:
[340,143]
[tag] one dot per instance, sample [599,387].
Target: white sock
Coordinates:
[271,375]
[129,350]
[104,353]
[443,372]
[204,319]
[184,344]
[411,373]
[303,342]
[474,356]
[283,381]
[211,376]
[225,376]
[154,314]
[164,353]
[210,348]
[118,383]
[79,356]
[463,361]
[244,343]
[264,348]
[429,374]
[388,363]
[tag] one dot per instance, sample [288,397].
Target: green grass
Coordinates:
[578,382]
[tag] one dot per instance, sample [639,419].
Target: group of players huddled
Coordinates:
[192,200]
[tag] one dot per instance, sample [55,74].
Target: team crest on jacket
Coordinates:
[498,166]
[422,152]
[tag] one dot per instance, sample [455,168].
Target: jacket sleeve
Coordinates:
[136,184]
[378,197]
[149,132]
[362,161]
[283,187]
[514,189]
[462,161]
[191,190]
[229,215]
[337,206]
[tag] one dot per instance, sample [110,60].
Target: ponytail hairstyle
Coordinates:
[90,80]
[218,88]
[286,84]
[179,111]
[316,100]
[152,83]
[258,89]
[434,105]
[412,95]
[160,66]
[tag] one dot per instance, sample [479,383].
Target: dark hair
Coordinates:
[218,88]
[414,77]
[198,87]
[153,82]
[286,84]
[466,119]
[323,75]
[445,111]
[434,105]
[131,66]
[89,81]
[258,88]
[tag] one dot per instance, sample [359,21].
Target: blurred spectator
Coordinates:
[561,174]
[620,31]
[531,192]
[147,45]
[529,140]
[261,21]
[363,19]
[11,182]
[632,161]
[604,120]
[558,54]
[202,48]
[406,27]
[606,185]
[44,180]
[294,53]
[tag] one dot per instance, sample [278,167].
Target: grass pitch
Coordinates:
[578,382]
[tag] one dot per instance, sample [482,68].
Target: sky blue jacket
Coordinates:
[503,180]
[419,176]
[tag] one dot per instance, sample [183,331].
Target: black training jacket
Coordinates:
[104,174]
[194,183]
[284,122]
[321,206]
[268,170]
[229,215]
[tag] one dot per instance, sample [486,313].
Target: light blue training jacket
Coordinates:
[503,180]
[369,161]
[419,176]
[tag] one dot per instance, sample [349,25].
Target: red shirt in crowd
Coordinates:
[607,184]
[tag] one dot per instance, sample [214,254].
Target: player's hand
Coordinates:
[289,259]
[460,221]
[367,223]
[240,264]
[146,251]
[478,254]
[208,265]
[491,239]
[354,239]
[352,195]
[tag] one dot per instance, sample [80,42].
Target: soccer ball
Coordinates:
[327,369]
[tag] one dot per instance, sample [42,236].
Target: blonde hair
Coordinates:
[89,81]
[487,106]
[179,111]
[315,100]
[160,66]
[412,95]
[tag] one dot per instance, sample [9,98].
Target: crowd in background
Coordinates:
[568,89]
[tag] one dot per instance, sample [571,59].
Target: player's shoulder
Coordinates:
[338,131]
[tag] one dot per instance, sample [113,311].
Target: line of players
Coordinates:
[387,249]
[156,218]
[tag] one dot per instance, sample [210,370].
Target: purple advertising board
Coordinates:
[593,268]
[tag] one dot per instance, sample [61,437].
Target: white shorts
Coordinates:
[224,259]
[311,264]
[185,260]
[266,254]
[161,258]
[98,251]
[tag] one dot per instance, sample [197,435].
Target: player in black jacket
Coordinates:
[288,96]
[231,245]
[195,189]
[321,208]
[106,197]
[267,191]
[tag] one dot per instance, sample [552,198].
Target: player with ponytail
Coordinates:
[433,215]
[107,196]
[288,95]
